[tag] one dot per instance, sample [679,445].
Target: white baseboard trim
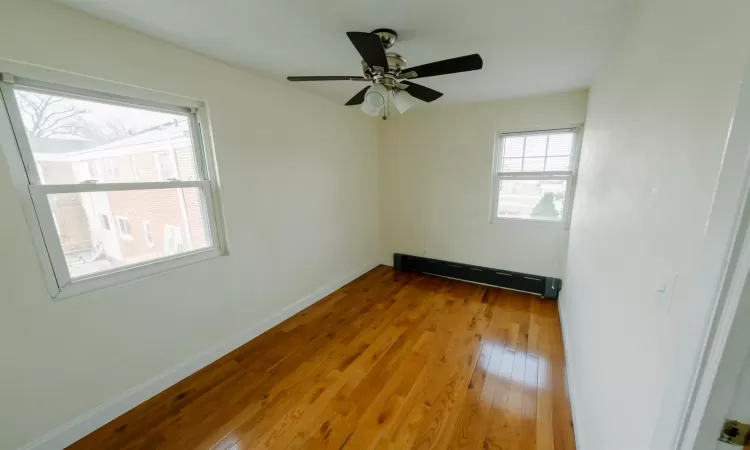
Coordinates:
[84,424]
[569,365]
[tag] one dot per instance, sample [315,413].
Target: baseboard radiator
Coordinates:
[547,287]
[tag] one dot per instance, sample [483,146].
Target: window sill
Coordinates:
[562,223]
[524,219]
[135,272]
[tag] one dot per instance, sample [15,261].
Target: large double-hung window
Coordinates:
[109,183]
[534,175]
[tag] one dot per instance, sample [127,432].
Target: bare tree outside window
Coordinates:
[48,116]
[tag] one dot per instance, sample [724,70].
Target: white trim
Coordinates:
[533,131]
[212,196]
[133,272]
[572,395]
[22,139]
[195,134]
[98,153]
[8,141]
[89,421]
[94,84]
[535,175]
[44,87]
[726,340]
[51,236]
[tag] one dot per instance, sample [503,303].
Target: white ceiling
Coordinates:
[528,46]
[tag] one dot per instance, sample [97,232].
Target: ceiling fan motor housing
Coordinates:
[396,62]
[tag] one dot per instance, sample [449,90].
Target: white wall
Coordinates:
[299,186]
[655,133]
[436,184]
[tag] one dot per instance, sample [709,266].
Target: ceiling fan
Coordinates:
[388,74]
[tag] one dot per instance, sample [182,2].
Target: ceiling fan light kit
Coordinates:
[376,98]
[402,100]
[388,75]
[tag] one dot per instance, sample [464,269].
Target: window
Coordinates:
[165,166]
[99,156]
[534,175]
[123,224]
[172,240]
[104,219]
[149,235]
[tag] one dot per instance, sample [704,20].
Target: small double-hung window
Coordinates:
[534,175]
[114,188]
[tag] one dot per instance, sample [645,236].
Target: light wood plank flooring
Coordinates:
[390,361]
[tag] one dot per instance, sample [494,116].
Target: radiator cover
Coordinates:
[547,287]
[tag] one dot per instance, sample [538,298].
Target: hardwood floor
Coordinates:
[390,361]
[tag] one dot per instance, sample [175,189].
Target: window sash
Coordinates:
[106,187]
[35,203]
[535,175]
[52,240]
[27,155]
[567,204]
[500,143]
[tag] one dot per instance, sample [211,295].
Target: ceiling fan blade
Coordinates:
[358,98]
[446,66]
[326,78]
[370,47]
[422,92]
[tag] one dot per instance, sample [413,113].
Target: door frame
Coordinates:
[727,338]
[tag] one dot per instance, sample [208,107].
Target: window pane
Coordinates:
[532,199]
[512,164]
[176,222]
[556,163]
[560,144]
[537,152]
[536,145]
[513,146]
[75,141]
[533,164]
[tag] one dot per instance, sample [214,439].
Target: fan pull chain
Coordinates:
[387,109]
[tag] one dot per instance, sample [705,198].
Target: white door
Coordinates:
[740,409]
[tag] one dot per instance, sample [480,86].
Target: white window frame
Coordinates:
[124,235]
[570,175]
[33,194]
